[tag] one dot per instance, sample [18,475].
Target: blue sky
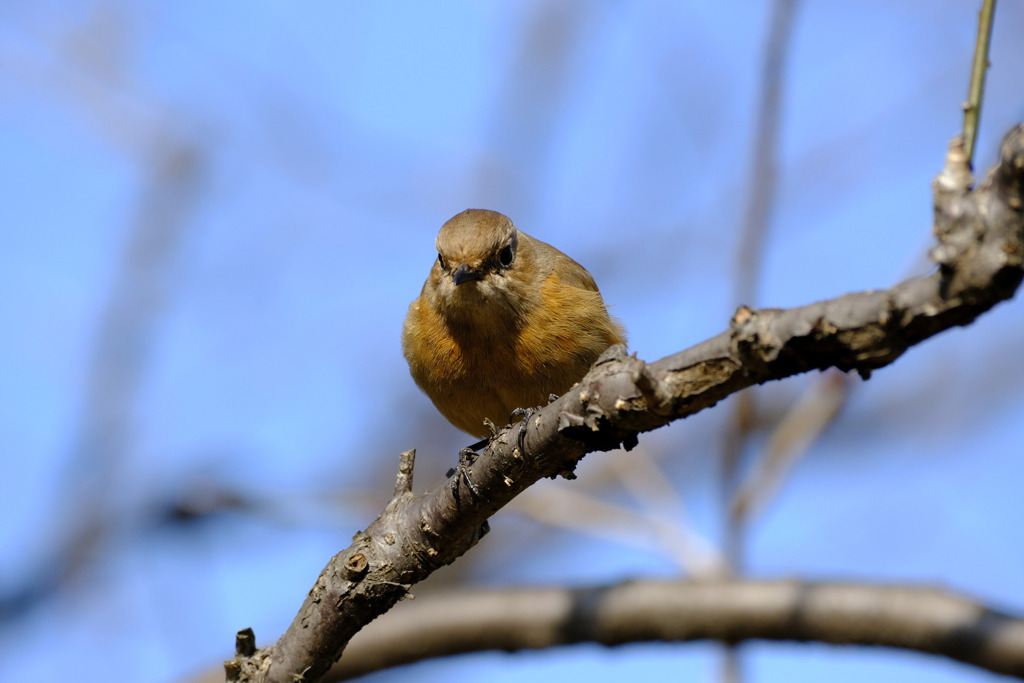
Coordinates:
[282,170]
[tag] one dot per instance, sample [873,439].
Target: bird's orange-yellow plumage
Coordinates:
[503,321]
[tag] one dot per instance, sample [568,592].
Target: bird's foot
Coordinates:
[467,456]
[525,414]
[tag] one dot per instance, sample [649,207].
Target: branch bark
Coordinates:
[980,257]
[926,620]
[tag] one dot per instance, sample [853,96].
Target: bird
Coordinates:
[503,322]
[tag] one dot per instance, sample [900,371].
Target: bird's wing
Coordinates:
[569,272]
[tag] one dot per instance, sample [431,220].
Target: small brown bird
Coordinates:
[503,321]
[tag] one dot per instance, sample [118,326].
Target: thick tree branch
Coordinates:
[927,620]
[980,254]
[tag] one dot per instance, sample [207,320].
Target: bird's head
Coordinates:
[479,262]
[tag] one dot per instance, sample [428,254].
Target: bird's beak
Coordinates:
[465,274]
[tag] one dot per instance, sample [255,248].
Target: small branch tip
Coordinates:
[403,482]
[245,643]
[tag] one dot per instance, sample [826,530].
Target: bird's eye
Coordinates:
[440,260]
[505,256]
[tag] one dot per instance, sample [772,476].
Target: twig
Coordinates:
[972,108]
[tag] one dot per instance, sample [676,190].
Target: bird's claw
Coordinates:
[526,414]
[467,456]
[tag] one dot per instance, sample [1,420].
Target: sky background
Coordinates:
[214,215]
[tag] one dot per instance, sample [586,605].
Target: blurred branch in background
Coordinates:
[909,617]
[805,421]
[532,98]
[97,486]
[124,345]
[660,524]
[761,187]
[662,505]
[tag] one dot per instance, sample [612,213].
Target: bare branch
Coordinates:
[981,263]
[908,617]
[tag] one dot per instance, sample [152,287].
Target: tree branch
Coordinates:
[980,254]
[926,620]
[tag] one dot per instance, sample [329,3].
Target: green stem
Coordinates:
[972,109]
